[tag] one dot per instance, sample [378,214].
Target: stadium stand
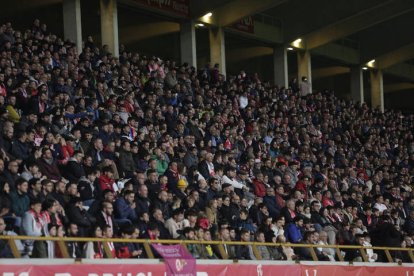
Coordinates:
[139,147]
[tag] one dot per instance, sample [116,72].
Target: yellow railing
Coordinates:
[61,243]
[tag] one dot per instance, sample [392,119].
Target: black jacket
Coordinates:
[83,220]
[143,205]
[74,249]
[73,171]
[100,220]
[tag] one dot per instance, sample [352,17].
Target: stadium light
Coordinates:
[207,18]
[371,63]
[297,43]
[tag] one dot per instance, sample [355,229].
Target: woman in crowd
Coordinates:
[94,250]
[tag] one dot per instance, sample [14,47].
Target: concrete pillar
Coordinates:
[109,25]
[217,48]
[280,66]
[377,89]
[357,84]
[304,65]
[188,43]
[72,24]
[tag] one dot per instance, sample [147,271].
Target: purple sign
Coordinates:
[178,261]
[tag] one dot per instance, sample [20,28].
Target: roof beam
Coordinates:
[248,53]
[395,87]
[399,55]
[233,11]
[358,22]
[144,31]
[338,52]
[321,73]
[15,6]
[402,70]
[373,44]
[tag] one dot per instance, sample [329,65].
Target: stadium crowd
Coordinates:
[138,147]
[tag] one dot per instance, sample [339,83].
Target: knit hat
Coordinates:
[182,183]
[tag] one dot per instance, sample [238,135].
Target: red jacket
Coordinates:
[327,202]
[300,186]
[259,188]
[106,183]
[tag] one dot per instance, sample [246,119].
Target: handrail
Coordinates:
[85,239]
[146,243]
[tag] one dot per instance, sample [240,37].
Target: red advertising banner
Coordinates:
[203,270]
[178,7]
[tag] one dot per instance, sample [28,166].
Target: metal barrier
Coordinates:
[61,243]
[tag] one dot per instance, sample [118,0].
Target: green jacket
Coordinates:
[162,165]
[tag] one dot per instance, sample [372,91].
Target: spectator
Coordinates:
[74,169]
[88,190]
[143,203]
[354,255]
[305,253]
[125,209]
[80,217]
[126,161]
[105,217]
[329,252]
[176,223]
[34,224]
[207,249]
[409,224]
[270,201]
[262,249]
[20,148]
[193,249]
[163,204]
[294,230]
[106,181]
[199,138]
[159,221]
[48,165]
[74,248]
[94,250]
[245,252]
[20,199]
[126,250]
[229,250]
[6,251]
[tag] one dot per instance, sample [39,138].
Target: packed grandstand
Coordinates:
[140,147]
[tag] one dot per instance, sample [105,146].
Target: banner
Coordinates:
[203,270]
[177,260]
[245,25]
[178,7]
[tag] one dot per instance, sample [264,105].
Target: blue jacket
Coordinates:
[124,211]
[20,150]
[270,202]
[293,233]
